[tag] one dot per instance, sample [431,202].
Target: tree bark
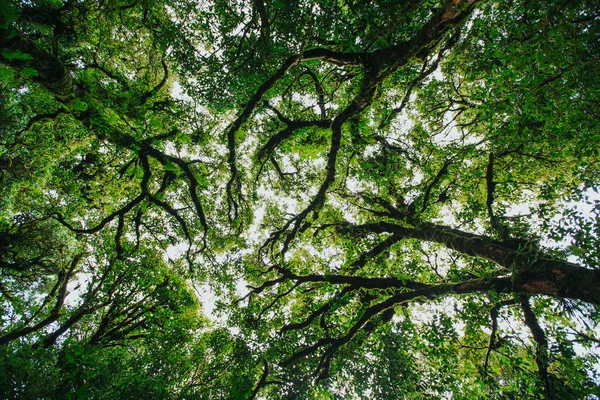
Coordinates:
[529,270]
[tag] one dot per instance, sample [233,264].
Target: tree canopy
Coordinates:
[299,199]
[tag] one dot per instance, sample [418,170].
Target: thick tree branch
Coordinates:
[534,271]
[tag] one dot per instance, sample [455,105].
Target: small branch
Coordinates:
[124,210]
[374,252]
[494,316]
[491,186]
[318,312]
[146,96]
[436,180]
[541,349]
[60,289]
[38,118]
[263,380]
[279,296]
[265,26]
[320,92]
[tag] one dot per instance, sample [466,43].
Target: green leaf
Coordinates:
[79,105]
[170,166]
[28,72]
[16,55]
[6,74]
[278,5]
[8,13]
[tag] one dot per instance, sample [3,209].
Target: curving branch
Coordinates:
[119,213]
[192,186]
[494,317]
[119,79]
[37,118]
[375,251]
[377,66]
[263,380]
[148,95]
[59,291]
[321,311]
[541,348]
[105,221]
[292,226]
[274,141]
[434,182]
[234,183]
[332,344]
[320,92]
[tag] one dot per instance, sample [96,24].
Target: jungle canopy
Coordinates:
[299,199]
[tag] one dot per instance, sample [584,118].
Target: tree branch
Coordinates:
[541,348]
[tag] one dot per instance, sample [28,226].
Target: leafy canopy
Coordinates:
[298,199]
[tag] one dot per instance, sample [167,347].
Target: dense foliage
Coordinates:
[297,199]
